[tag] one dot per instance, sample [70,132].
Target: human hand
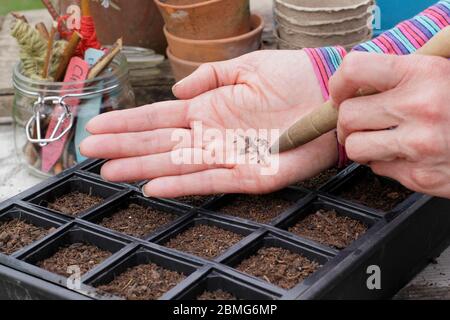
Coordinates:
[404,131]
[261,90]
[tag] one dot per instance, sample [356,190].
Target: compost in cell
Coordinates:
[216,295]
[16,234]
[259,208]
[75,203]
[143,282]
[329,228]
[319,180]
[205,241]
[81,255]
[137,221]
[375,192]
[279,266]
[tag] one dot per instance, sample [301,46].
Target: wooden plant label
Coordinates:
[76,72]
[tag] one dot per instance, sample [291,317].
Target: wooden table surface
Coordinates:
[432,283]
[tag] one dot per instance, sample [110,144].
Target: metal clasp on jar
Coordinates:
[65,115]
[34,133]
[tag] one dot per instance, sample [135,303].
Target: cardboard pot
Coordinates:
[304,40]
[320,13]
[181,68]
[138,22]
[284,45]
[323,27]
[206,20]
[217,50]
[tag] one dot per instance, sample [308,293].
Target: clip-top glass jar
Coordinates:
[50,117]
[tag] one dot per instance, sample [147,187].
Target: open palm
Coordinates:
[263,90]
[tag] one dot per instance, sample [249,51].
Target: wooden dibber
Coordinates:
[324,119]
[69,52]
[48,55]
[105,60]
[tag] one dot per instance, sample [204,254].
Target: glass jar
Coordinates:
[50,117]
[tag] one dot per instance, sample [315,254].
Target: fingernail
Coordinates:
[177,84]
[143,192]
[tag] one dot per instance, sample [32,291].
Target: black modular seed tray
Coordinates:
[400,242]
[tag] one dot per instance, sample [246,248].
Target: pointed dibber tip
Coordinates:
[283,144]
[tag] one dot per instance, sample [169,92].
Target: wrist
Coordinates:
[325,62]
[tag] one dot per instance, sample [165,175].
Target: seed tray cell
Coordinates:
[75,183]
[138,256]
[349,189]
[164,214]
[400,240]
[72,233]
[214,280]
[251,208]
[272,239]
[32,218]
[205,219]
[318,204]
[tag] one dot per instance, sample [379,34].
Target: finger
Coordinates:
[365,147]
[367,70]
[135,144]
[208,77]
[155,166]
[399,170]
[377,112]
[170,114]
[208,182]
[414,176]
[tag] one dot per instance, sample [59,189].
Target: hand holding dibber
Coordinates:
[324,119]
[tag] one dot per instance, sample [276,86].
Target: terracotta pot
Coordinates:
[206,20]
[323,11]
[181,68]
[217,50]
[138,22]
[323,27]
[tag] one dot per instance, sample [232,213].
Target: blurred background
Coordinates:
[7,6]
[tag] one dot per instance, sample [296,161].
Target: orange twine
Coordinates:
[87,31]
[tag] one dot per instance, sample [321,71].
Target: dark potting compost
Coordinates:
[328,227]
[84,256]
[216,295]
[319,180]
[205,241]
[261,209]
[313,242]
[376,192]
[143,282]
[16,234]
[279,266]
[137,221]
[194,201]
[75,203]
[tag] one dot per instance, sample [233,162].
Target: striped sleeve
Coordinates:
[404,39]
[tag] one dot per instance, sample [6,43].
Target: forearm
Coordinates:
[404,39]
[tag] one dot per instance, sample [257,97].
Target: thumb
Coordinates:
[208,77]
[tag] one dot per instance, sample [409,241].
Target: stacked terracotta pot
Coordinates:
[200,31]
[320,23]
